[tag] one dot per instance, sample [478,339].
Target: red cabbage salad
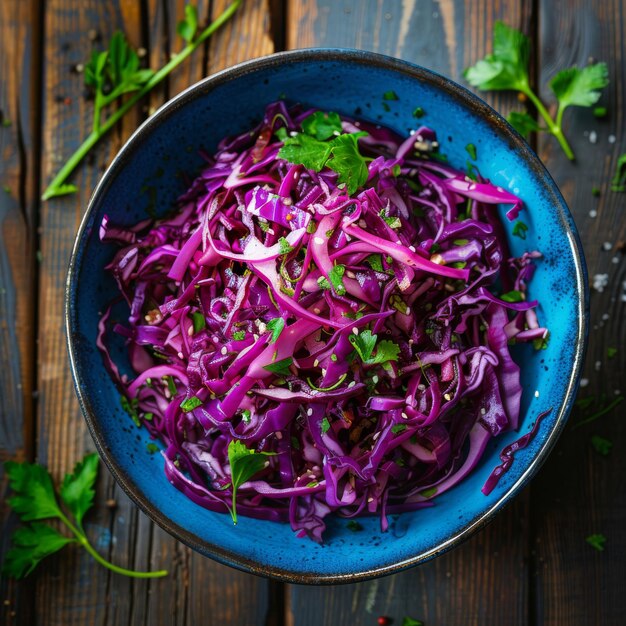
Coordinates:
[322,323]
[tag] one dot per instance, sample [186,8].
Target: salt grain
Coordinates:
[593,213]
[593,137]
[612,138]
[536,393]
[607,245]
[600,281]
[584,382]
[597,366]
[615,260]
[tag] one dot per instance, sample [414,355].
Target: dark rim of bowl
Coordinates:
[471,102]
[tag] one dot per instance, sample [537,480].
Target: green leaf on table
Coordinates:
[188,26]
[580,87]
[77,489]
[409,621]
[618,182]
[348,162]
[34,497]
[601,445]
[507,66]
[520,229]
[523,123]
[276,327]
[29,545]
[322,125]
[244,464]
[611,352]
[597,541]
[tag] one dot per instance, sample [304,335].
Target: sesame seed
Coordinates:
[352,384]
[190,330]
[375,379]
[317,310]
[536,393]
[279,435]
[593,137]
[483,411]
[405,416]
[316,362]
[447,396]
[370,499]
[421,387]
[318,240]
[309,412]
[181,355]
[355,330]
[224,350]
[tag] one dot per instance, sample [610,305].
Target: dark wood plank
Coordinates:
[580,492]
[485,580]
[19,150]
[73,589]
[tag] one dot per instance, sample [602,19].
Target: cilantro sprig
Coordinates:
[112,73]
[364,343]
[244,464]
[322,144]
[506,68]
[34,499]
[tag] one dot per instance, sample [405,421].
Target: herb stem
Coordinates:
[554,128]
[82,539]
[100,130]
[600,413]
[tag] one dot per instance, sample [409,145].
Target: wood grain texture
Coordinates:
[580,492]
[485,581]
[19,145]
[72,589]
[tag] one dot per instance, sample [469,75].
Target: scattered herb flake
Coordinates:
[595,191]
[618,182]
[354,526]
[600,112]
[152,448]
[276,326]
[390,95]
[285,246]
[596,541]
[471,150]
[190,404]
[601,445]
[398,428]
[512,296]
[418,112]
[198,320]
[280,367]
[239,335]
[520,229]
[428,493]
[611,352]
[325,425]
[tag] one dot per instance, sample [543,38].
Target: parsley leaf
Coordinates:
[507,67]
[34,497]
[276,326]
[364,344]
[596,541]
[523,123]
[306,150]
[601,445]
[280,367]
[188,27]
[580,87]
[325,426]
[348,162]
[77,489]
[322,125]
[30,545]
[244,464]
[284,246]
[375,261]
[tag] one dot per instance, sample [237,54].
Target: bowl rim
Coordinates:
[477,107]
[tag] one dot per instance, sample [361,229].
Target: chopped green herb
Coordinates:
[152,448]
[541,343]
[386,107]
[409,621]
[130,406]
[239,335]
[276,327]
[325,425]
[280,367]
[336,278]
[199,321]
[6,122]
[471,150]
[393,222]
[596,541]
[428,493]
[285,246]
[595,192]
[618,182]
[519,229]
[512,296]
[306,150]
[6,189]
[460,242]
[390,95]
[418,112]
[348,162]
[323,283]
[398,428]
[611,352]
[601,445]
[171,385]
[244,464]
[190,404]
[600,112]
[364,344]
[281,133]
[459,265]
[295,443]
[245,416]
[375,261]
[396,170]
[148,416]
[312,484]
[333,357]
[354,526]
[602,411]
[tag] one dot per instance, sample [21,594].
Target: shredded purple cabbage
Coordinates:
[361,338]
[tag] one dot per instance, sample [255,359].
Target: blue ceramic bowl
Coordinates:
[351,83]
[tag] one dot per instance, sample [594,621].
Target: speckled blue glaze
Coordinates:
[351,83]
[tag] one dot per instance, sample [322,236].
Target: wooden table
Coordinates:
[532,564]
